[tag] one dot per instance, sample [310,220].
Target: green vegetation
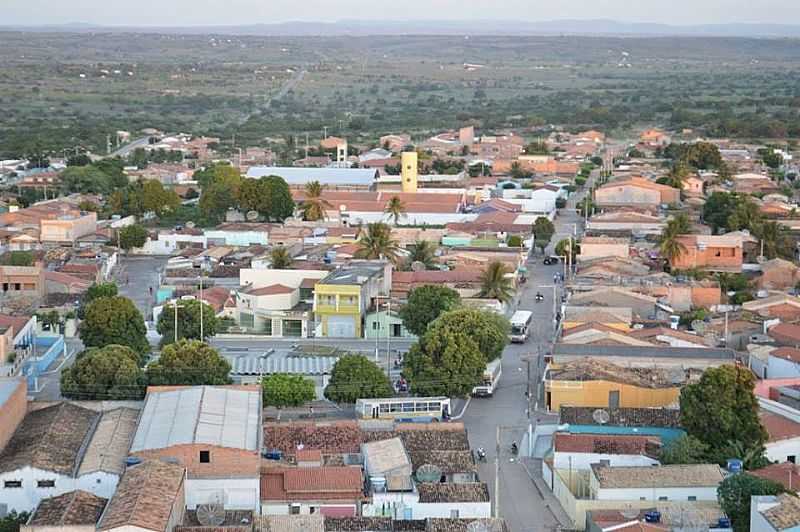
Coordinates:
[189,362]
[425,304]
[684,450]
[132,236]
[284,389]
[12,521]
[114,320]
[17,258]
[104,373]
[396,209]
[188,321]
[721,411]
[422,251]
[354,377]
[543,231]
[96,291]
[280,258]
[376,242]
[314,205]
[496,283]
[734,495]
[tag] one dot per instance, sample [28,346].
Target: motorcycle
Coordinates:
[539,297]
[481,454]
[514,448]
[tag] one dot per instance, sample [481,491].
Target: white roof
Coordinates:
[326,176]
[224,417]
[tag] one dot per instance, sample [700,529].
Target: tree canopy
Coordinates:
[444,362]
[189,362]
[188,321]
[132,236]
[114,320]
[685,449]
[489,330]
[104,373]
[355,377]
[377,243]
[96,291]
[543,231]
[284,389]
[496,283]
[721,409]
[426,303]
[734,494]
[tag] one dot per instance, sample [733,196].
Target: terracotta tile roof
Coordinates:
[110,442]
[778,427]
[145,497]
[468,492]
[308,455]
[15,322]
[442,524]
[69,281]
[358,524]
[72,508]
[604,444]
[50,439]
[290,523]
[312,483]
[666,476]
[215,297]
[786,474]
[448,462]
[788,333]
[787,353]
[270,290]
[786,514]
[330,438]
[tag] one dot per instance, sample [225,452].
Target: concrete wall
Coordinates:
[780,451]
[240,493]
[593,251]
[238,238]
[653,494]
[67,230]
[27,498]
[101,483]
[12,413]
[583,461]
[224,461]
[596,394]
[260,278]
[780,368]
[627,195]
[282,508]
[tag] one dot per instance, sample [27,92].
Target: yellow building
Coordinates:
[597,384]
[342,298]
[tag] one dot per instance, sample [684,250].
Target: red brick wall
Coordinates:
[225,462]
[12,412]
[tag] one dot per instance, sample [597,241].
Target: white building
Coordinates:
[580,451]
[696,482]
[782,423]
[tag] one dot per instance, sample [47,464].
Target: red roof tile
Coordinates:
[271,290]
[788,333]
[312,483]
[787,353]
[785,473]
[602,443]
[778,427]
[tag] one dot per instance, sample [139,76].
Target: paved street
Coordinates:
[135,276]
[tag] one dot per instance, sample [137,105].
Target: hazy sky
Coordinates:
[225,12]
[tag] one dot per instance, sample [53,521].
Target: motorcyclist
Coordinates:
[514,447]
[481,454]
[539,296]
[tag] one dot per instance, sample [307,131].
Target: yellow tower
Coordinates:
[408,161]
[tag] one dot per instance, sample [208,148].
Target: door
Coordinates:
[375,412]
[341,327]
[613,399]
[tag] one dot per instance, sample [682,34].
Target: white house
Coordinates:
[696,482]
[274,310]
[783,363]
[782,423]
[168,242]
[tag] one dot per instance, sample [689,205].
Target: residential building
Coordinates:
[779,305]
[654,138]
[625,223]
[722,253]
[214,432]
[332,178]
[642,306]
[103,460]
[696,482]
[580,451]
[43,455]
[785,334]
[778,274]
[693,186]
[382,323]
[786,474]
[774,513]
[17,342]
[782,424]
[241,234]
[328,490]
[150,498]
[465,281]
[13,406]
[67,228]
[74,511]
[342,298]
[22,281]
[619,318]
[274,310]
[636,192]
[596,247]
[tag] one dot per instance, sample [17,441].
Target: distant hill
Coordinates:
[444,27]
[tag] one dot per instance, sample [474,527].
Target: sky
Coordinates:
[232,12]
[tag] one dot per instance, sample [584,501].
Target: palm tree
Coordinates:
[376,243]
[670,246]
[395,208]
[314,205]
[775,239]
[280,258]
[495,282]
[423,251]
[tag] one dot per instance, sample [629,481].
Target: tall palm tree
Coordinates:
[775,239]
[280,258]
[377,243]
[495,282]
[423,251]
[395,208]
[670,246]
[314,205]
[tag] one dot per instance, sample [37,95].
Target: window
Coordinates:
[791,458]
[663,498]
[205,457]
[375,325]
[45,483]
[294,509]
[246,320]
[642,498]
[692,498]
[12,484]
[453,514]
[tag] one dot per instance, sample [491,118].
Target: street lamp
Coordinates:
[177,306]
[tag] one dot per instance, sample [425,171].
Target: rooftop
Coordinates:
[385,457]
[643,352]
[786,514]
[311,483]
[565,442]
[665,476]
[109,445]
[144,497]
[596,369]
[446,461]
[330,438]
[270,290]
[291,523]
[72,508]
[778,427]
[222,416]
[356,273]
[50,439]
[326,176]
[7,388]
[786,474]
[439,492]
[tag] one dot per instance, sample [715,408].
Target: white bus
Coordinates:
[489,380]
[521,326]
[404,408]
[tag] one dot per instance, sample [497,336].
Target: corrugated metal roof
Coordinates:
[646,352]
[255,365]
[326,176]
[203,414]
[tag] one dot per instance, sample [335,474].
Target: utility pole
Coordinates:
[388,337]
[497,474]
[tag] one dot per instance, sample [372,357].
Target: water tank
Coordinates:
[378,484]
[724,522]
[734,465]
[652,517]
[132,461]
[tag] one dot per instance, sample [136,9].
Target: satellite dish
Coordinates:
[212,513]
[251,216]
[601,416]
[699,326]
[190,225]
[428,473]
[418,266]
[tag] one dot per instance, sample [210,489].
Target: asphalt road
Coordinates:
[135,276]
[124,151]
